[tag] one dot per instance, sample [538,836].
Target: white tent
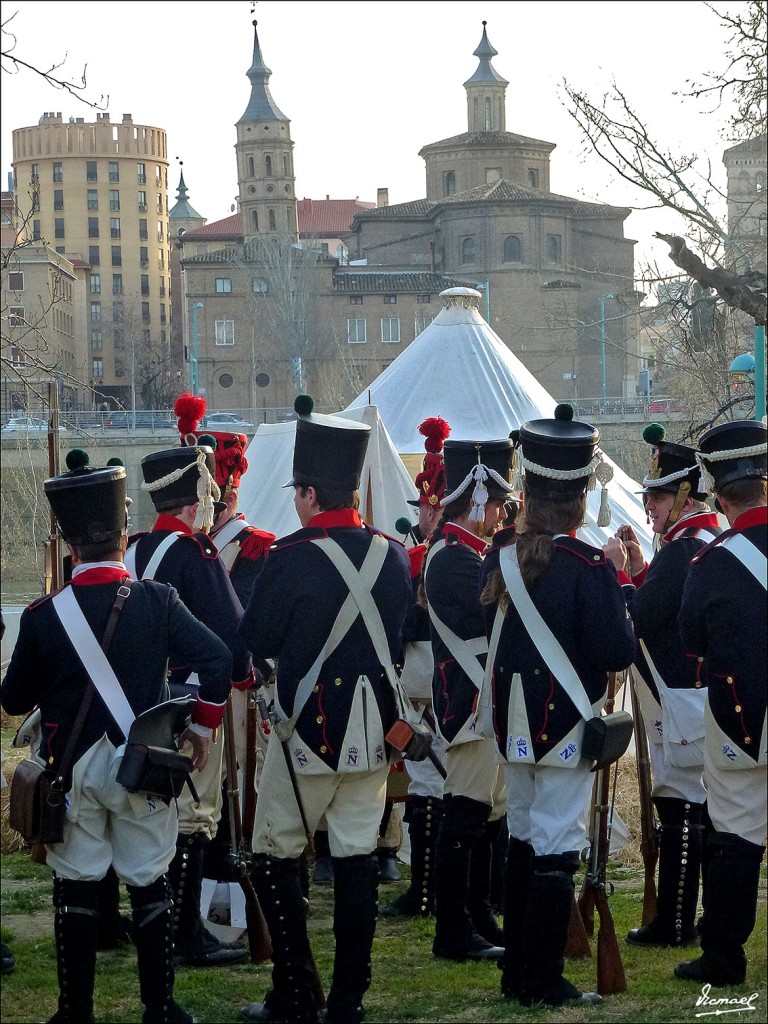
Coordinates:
[460,369]
[385,485]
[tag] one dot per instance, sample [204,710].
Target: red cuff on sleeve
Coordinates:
[639,577]
[209,715]
[624,579]
[247,683]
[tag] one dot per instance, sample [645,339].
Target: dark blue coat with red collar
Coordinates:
[723,620]
[193,567]
[152,628]
[294,605]
[579,597]
[452,584]
[655,604]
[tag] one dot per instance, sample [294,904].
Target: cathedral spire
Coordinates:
[486,91]
[261,106]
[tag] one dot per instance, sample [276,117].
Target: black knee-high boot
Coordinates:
[545,933]
[354,925]
[194,944]
[423,815]
[75,925]
[114,929]
[680,853]
[464,822]
[291,997]
[153,929]
[730,911]
[323,873]
[517,884]
[479,894]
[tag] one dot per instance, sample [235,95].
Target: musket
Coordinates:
[610,969]
[270,715]
[53,565]
[649,833]
[259,943]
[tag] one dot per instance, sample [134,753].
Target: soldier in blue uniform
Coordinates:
[724,629]
[105,824]
[178,550]
[539,715]
[477,486]
[334,704]
[669,687]
[424,806]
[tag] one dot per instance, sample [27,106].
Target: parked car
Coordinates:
[145,419]
[27,425]
[225,421]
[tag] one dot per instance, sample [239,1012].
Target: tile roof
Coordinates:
[488,139]
[416,208]
[510,191]
[328,218]
[377,281]
[229,229]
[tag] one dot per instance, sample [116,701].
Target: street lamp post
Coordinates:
[485,288]
[754,366]
[602,345]
[194,379]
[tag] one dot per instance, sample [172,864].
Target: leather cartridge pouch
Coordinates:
[606,738]
[156,771]
[37,808]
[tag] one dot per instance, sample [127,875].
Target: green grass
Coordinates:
[409,985]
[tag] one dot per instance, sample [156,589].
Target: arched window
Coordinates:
[272,221]
[449,183]
[251,168]
[513,249]
[488,114]
[759,182]
[255,220]
[268,160]
[468,250]
[286,166]
[533,177]
[554,248]
[289,216]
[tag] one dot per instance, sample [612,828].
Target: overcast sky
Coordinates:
[367,84]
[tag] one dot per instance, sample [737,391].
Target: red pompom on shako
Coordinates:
[189,409]
[431,481]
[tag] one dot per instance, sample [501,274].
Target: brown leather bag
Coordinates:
[37,808]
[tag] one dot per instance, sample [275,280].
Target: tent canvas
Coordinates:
[460,369]
[385,485]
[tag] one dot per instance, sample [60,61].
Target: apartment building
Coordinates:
[97,193]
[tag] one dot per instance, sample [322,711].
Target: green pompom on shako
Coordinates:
[654,433]
[303,405]
[207,440]
[115,461]
[564,412]
[76,459]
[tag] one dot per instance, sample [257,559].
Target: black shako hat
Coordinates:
[560,459]
[672,464]
[462,459]
[329,451]
[172,476]
[734,451]
[89,504]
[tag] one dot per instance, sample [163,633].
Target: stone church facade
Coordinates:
[556,272]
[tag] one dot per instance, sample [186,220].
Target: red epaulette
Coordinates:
[46,597]
[591,555]
[712,545]
[254,544]
[416,556]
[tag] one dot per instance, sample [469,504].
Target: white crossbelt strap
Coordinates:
[750,556]
[93,658]
[360,585]
[544,639]
[347,614]
[465,652]
[228,532]
[485,696]
[155,560]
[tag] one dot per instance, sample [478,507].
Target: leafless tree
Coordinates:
[710,254]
